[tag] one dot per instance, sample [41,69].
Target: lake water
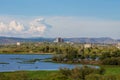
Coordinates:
[17,62]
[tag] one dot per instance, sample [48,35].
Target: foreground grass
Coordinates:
[32,75]
[111,70]
[45,75]
[40,74]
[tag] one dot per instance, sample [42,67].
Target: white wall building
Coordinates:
[87,45]
[59,40]
[18,43]
[118,45]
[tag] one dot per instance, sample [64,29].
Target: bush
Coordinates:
[111,61]
[77,73]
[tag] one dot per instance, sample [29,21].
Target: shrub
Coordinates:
[77,73]
[111,61]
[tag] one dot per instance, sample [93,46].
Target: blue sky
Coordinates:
[98,8]
[80,18]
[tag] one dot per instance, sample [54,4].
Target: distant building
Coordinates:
[87,45]
[69,42]
[118,45]
[59,40]
[18,43]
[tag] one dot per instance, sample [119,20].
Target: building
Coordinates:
[118,45]
[18,43]
[69,42]
[87,45]
[59,40]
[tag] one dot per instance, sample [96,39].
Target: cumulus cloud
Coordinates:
[15,26]
[36,27]
[63,26]
[11,27]
[3,27]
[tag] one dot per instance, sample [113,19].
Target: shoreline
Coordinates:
[109,70]
[30,53]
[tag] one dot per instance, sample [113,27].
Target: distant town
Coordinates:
[101,40]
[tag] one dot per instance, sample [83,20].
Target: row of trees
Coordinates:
[111,58]
[95,55]
[58,48]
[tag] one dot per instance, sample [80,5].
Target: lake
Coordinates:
[17,62]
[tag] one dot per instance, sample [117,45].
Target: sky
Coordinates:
[60,18]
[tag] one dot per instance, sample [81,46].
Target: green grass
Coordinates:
[108,70]
[111,70]
[43,75]
[40,74]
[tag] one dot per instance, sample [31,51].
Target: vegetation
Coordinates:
[69,53]
[94,55]
[78,73]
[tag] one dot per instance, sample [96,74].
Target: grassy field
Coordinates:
[40,74]
[43,75]
[32,75]
[111,70]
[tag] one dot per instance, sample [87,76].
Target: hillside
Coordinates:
[11,40]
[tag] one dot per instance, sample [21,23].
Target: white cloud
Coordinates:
[15,26]
[61,26]
[40,29]
[33,28]
[3,27]
[37,26]
[11,27]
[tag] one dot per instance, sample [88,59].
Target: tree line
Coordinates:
[69,53]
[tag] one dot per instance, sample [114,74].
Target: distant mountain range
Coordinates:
[11,40]
[106,40]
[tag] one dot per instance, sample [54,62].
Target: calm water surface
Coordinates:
[17,62]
